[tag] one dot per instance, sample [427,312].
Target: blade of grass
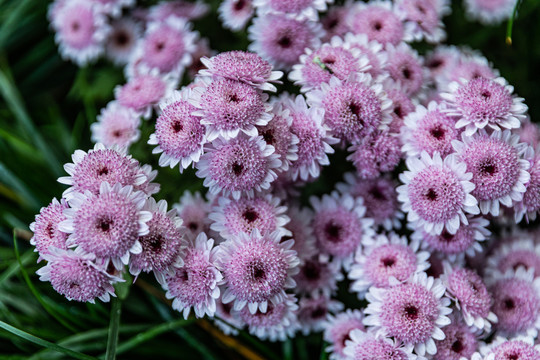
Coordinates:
[12,22]
[14,266]
[114,326]
[510,25]
[41,342]
[24,194]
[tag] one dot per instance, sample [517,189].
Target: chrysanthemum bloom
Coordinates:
[471,65]
[437,193]
[406,68]
[107,224]
[530,205]
[301,9]
[179,134]
[257,269]
[122,40]
[489,11]
[366,345]
[376,153]
[498,171]
[335,58]
[464,241]
[423,18]
[45,228]
[278,134]
[467,289]
[378,21]
[519,348]
[441,61]
[195,284]
[340,226]
[412,313]
[334,21]
[239,166]
[380,199]
[224,311]
[232,217]
[76,276]
[459,343]
[242,66]
[385,261]
[318,275]
[313,312]
[277,323]
[193,210]
[314,139]
[522,252]
[281,39]
[162,247]
[227,107]
[167,46]
[81,29]
[338,329]
[429,129]
[144,90]
[180,8]
[353,108]
[302,232]
[516,302]
[483,102]
[116,125]
[235,14]
[401,107]
[89,170]
[112,8]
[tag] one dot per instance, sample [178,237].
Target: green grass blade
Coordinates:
[510,25]
[49,345]
[22,192]
[112,341]
[14,266]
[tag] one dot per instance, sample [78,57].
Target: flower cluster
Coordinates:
[443,152]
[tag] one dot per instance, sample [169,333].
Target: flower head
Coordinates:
[423,18]
[193,210]
[122,40]
[235,14]
[378,21]
[313,312]
[318,275]
[376,153]
[489,11]
[338,329]
[365,345]
[406,68]
[116,126]
[459,342]
[45,228]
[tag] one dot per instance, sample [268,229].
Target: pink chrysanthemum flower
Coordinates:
[89,170]
[373,50]
[334,21]
[193,210]
[281,39]
[471,65]
[429,129]
[464,241]
[195,283]
[314,138]
[339,226]
[406,68]
[179,134]
[264,213]
[167,46]
[239,166]
[76,276]
[45,228]
[242,66]
[516,302]
[522,252]
[467,289]
[113,8]
[81,29]
[459,343]
[278,134]
[437,193]
[483,102]
[423,18]
[530,205]
[353,108]
[334,58]
[401,107]
[318,275]
[489,11]
[116,125]
[376,153]
[338,329]
[313,312]
[302,232]
[300,9]
[378,21]
[235,14]
[498,171]
[277,323]
[107,224]
[122,40]
[144,90]
[232,323]
[366,345]
[441,61]
[380,199]
[386,261]
[188,10]
[257,269]
[162,247]
[412,313]
[519,348]
[227,107]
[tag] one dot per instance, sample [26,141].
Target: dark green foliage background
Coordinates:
[46,107]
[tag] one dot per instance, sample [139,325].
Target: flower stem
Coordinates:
[114,326]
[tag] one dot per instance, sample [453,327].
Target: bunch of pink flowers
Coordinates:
[414,241]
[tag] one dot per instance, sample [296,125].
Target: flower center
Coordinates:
[103,171]
[431,195]
[237,169]
[457,346]
[487,167]
[121,38]
[438,132]
[268,137]
[509,304]
[239,5]
[377,26]
[177,126]
[257,271]
[333,231]
[389,261]
[284,42]
[311,271]
[250,215]
[406,72]
[411,312]
[105,225]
